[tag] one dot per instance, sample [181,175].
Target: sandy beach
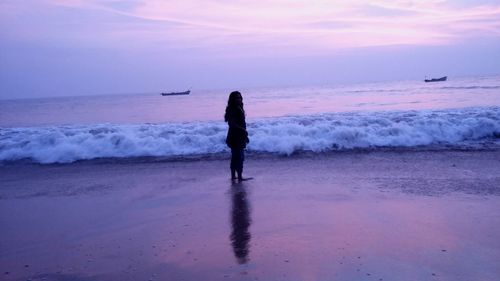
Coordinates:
[407,215]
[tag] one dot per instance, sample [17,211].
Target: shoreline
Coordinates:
[413,215]
[253,155]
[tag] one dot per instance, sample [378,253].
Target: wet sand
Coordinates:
[429,215]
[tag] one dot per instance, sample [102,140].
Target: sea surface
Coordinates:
[462,113]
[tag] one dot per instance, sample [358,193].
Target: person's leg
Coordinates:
[234,162]
[239,167]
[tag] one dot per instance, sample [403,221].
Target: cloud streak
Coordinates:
[292,27]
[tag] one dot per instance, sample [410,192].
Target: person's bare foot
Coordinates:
[240,179]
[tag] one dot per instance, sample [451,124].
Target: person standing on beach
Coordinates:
[237,135]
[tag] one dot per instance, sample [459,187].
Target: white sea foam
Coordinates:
[285,135]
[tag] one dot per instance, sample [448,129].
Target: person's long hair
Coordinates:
[233,104]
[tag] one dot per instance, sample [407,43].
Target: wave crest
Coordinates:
[285,135]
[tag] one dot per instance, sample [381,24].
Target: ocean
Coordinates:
[461,113]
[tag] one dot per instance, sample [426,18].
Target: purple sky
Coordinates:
[85,47]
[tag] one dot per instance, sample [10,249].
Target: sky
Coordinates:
[92,47]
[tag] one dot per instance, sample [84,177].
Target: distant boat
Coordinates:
[176,93]
[436,79]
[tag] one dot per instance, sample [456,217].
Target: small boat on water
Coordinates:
[176,93]
[436,79]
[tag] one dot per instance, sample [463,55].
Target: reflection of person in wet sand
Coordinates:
[240,221]
[237,136]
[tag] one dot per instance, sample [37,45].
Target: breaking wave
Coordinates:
[283,135]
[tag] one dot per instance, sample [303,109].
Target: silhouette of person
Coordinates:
[240,222]
[237,135]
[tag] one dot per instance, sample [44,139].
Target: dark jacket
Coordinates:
[237,135]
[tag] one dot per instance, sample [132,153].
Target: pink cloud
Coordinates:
[312,26]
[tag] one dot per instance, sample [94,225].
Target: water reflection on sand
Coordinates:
[240,223]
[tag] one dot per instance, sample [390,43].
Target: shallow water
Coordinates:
[355,216]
